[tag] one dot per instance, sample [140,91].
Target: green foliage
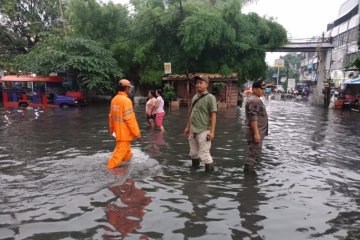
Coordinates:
[151,76]
[218,86]
[105,23]
[23,25]
[290,59]
[169,93]
[225,70]
[93,65]
[202,36]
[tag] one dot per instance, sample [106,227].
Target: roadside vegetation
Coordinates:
[98,43]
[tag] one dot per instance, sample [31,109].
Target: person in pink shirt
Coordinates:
[159,110]
[150,104]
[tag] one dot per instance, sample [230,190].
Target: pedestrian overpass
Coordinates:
[321,45]
[306,45]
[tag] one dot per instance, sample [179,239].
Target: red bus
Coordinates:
[38,91]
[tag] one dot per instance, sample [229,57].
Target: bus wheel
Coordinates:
[64,106]
[23,105]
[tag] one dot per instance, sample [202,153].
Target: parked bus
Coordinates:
[38,91]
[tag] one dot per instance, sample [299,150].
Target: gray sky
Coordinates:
[301,18]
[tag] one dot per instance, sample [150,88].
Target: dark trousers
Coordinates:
[253,152]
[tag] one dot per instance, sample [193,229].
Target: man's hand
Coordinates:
[187,132]
[212,136]
[138,137]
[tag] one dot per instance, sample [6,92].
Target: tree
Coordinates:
[23,24]
[93,66]
[169,94]
[108,24]
[198,37]
[203,39]
[104,23]
[289,70]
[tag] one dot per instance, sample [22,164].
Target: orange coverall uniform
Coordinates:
[122,122]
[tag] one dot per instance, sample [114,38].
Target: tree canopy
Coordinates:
[93,65]
[196,36]
[22,25]
[204,38]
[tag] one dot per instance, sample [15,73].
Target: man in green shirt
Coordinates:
[200,127]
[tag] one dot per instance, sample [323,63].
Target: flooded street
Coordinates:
[54,183]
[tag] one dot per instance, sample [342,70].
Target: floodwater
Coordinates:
[54,183]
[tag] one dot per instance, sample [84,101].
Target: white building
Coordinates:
[344,33]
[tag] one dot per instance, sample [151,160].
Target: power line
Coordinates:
[211,5]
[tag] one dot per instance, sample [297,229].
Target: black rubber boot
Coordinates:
[209,167]
[195,162]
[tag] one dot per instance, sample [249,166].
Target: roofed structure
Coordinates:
[184,86]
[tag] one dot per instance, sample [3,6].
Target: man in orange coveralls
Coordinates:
[122,125]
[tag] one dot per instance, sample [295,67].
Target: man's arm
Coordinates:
[212,125]
[187,128]
[111,126]
[188,123]
[254,127]
[130,119]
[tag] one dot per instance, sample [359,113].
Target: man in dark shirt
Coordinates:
[256,125]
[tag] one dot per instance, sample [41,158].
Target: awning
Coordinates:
[15,78]
[355,80]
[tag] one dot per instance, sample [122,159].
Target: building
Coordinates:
[344,33]
[184,87]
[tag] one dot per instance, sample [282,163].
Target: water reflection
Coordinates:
[126,216]
[197,191]
[154,141]
[250,198]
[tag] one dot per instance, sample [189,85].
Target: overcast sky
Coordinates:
[301,18]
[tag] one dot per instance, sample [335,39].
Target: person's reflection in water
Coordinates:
[126,218]
[156,140]
[197,192]
[249,199]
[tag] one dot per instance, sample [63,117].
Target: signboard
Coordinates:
[167,68]
[279,63]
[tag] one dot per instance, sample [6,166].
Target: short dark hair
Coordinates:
[258,84]
[152,92]
[160,92]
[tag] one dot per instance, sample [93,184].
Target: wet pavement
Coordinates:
[54,184]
